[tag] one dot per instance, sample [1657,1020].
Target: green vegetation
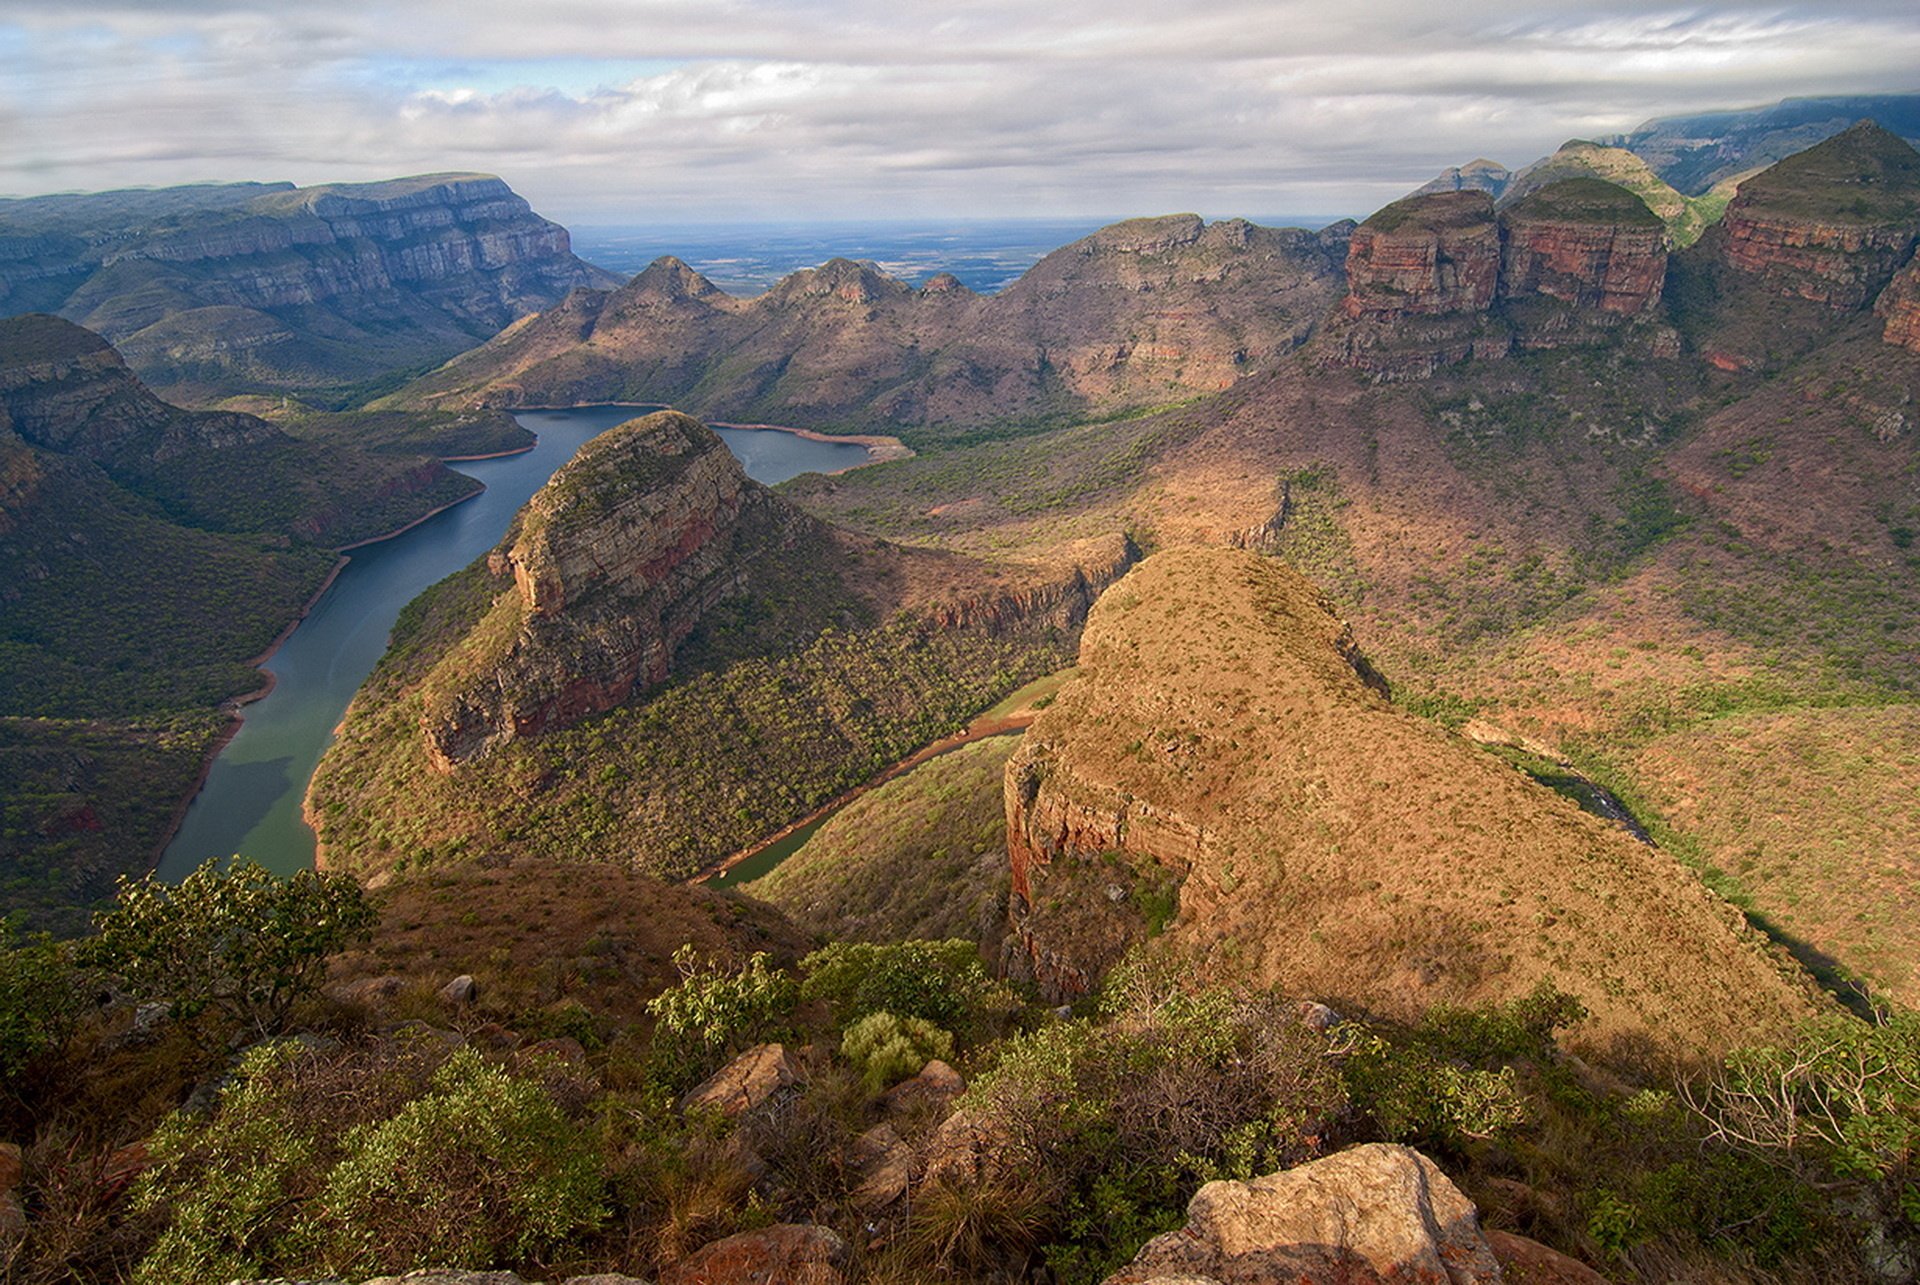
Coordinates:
[1863,175]
[886,1049]
[1586,200]
[245,941]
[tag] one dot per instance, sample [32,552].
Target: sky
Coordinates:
[636,111]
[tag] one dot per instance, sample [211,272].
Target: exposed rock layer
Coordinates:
[613,563]
[1224,745]
[1899,305]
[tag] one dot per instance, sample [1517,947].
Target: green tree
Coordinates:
[42,994]
[243,942]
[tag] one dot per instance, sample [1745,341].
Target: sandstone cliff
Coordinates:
[1579,257]
[1136,314]
[282,287]
[612,564]
[1899,305]
[1830,224]
[1225,767]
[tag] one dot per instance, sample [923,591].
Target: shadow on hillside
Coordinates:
[1833,976]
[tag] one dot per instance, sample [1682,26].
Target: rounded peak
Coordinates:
[854,282]
[1432,212]
[39,337]
[944,283]
[671,277]
[1155,234]
[1864,175]
[1585,200]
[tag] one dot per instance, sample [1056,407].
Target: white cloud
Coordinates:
[842,107]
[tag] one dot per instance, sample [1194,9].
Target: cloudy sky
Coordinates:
[631,111]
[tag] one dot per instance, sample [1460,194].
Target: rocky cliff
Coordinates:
[1226,773]
[1133,315]
[283,287]
[1579,257]
[1899,305]
[1831,224]
[612,565]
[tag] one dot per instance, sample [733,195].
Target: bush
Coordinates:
[886,1049]
[940,981]
[244,942]
[714,1011]
[382,1160]
[42,995]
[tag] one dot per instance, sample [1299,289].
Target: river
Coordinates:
[250,803]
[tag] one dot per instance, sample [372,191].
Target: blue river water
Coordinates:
[250,804]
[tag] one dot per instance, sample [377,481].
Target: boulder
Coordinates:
[1376,1213]
[936,1085]
[884,1165]
[1528,1262]
[962,1147]
[744,1083]
[367,991]
[784,1254]
[461,990]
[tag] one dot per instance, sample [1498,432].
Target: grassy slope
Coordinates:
[924,855]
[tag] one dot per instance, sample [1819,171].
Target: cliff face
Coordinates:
[1425,256]
[612,564]
[1133,315]
[290,287]
[1832,224]
[66,389]
[1225,754]
[1899,304]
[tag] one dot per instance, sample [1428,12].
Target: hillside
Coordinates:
[1695,153]
[1227,759]
[238,287]
[663,661]
[155,552]
[1685,217]
[1142,313]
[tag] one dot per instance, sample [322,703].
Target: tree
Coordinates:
[243,942]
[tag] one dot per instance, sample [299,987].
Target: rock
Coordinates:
[367,991]
[1528,1262]
[1317,1017]
[1425,255]
[493,1037]
[784,1254]
[461,990]
[564,1047]
[1899,306]
[936,1085]
[884,1164]
[1377,1213]
[123,1166]
[962,1148]
[1590,247]
[458,1276]
[13,1214]
[744,1083]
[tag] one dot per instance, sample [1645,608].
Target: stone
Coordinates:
[936,1085]
[1528,1262]
[884,1164]
[784,1254]
[367,991]
[1899,307]
[461,990]
[746,1082]
[1317,1017]
[1376,1213]
[962,1148]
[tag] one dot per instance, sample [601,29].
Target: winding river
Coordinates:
[250,803]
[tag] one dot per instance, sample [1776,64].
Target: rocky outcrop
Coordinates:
[1831,224]
[1899,306]
[612,565]
[291,286]
[1422,275]
[1586,243]
[1481,175]
[1136,314]
[458,1276]
[783,1254]
[749,1081]
[64,388]
[1060,600]
[1225,779]
[1375,1214]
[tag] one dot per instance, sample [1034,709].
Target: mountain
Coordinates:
[152,553]
[1137,314]
[1226,777]
[741,661]
[1480,175]
[1695,153]
[1685,217]
[236,287]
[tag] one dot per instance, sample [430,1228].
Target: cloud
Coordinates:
[610,110]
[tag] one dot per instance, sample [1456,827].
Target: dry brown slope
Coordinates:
[1340,847]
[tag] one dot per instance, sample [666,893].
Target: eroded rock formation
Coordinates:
[1899,306]
[612,564]
[1225,778]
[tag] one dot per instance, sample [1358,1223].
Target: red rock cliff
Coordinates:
[1899,304]
[1425,256]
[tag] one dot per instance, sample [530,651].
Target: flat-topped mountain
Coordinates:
[1136,314]
[1685,217]
[245,286]
[1226,768]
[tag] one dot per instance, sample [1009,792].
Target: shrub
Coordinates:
[940,981]
[715,1010]
[42,994]
[245,942]
[886,1049]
